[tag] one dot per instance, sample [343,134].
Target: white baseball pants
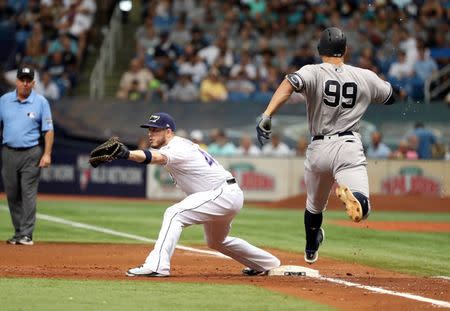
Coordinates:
[214,209]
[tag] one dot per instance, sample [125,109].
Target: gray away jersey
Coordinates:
[338,96]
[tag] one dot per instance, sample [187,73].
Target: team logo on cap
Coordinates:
[153,118]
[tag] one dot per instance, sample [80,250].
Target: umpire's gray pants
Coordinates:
[20,173]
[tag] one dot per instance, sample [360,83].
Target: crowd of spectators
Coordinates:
[419,143]
[236,50]
[49,35]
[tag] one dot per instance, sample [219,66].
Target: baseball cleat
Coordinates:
[143,271]
[25,240]
[311,255]
[252,272]
[354,209]
[13,240]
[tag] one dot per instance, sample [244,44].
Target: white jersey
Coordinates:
[192,169]
[338,96]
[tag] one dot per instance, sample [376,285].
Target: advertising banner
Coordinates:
[261,179]
[70,173]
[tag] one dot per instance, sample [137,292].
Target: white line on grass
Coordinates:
[374,289]
[118,233]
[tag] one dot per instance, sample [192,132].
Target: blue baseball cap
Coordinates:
[160,120]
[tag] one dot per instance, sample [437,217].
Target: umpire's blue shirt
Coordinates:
[24,121]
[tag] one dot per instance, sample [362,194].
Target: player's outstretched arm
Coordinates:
[281,95]
[147,157]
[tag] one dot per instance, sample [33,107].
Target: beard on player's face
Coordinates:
[157,137]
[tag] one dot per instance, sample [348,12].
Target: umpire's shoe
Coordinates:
[354,208]
[144,271]
[311,255]
[252,272]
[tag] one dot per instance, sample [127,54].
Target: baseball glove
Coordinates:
[111,149]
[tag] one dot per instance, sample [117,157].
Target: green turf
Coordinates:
[415,253]
[47,295]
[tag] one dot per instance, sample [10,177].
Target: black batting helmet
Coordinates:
[332,42]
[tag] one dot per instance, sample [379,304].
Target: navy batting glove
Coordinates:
[264,129]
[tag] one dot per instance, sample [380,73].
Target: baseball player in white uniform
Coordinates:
[213,199]
[337,95]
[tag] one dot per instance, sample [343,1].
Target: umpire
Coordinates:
[24,115]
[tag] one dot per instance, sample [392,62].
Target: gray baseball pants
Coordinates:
[20,173]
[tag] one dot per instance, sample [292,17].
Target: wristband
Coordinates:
[148,156]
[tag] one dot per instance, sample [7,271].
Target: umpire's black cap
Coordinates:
[25,72]
[332,42]
[160,120]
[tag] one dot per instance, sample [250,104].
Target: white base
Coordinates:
[293,271]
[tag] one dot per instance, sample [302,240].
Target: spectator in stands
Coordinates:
[184,90]
[57,69]
[134,94]
[404,152]
[198,40]
[81,23]
[245,64]
[49,88]
[424,68]
[303,56]
[408,44]
[247,147]
[36,46]
[197,137]
[426,140]
[192,65]
[378,149]
[164,60]
[210,53]
[22,33]
[180,35]
[240,87]
[301,147]
[276,147]
[159,88]
[221,146]
[400,70]
[136,72]
[63,43]
[146,39]
[212,88]
[400,73]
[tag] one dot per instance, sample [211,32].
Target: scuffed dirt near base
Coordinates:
[110,261]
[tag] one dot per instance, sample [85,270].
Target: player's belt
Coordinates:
[19,148]
[231,181]
[321,137]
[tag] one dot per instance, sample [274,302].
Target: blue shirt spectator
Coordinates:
[426,141]
[377,149]
[424,66]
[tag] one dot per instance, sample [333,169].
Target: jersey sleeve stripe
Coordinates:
[389,96]
[303,83]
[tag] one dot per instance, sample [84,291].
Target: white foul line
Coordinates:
[374,289]
[118,233]
[381,290]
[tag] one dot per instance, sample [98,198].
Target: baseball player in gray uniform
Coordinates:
[213,198]
[337,95]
